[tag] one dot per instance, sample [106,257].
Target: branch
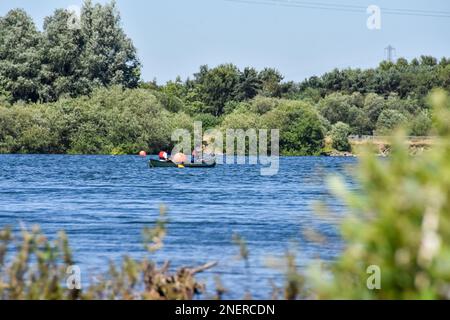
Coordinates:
[203,268]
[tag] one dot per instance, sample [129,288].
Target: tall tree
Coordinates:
[65,60]
[19,56]
[62,47]
[249,84]
[109,56]
[271,82]
[217,86]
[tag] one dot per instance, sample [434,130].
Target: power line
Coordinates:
[289,4]
[328,4]
[343,7]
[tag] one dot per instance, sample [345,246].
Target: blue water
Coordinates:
[103,202]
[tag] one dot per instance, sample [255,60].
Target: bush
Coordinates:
[208,120]
[24,131]
[262,105]
[241,120]
[348,109]
[421,124]
[373,107]
[390,120]
[339,134]
[301,130]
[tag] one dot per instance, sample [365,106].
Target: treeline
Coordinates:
[77,89]
[217,90]
[372,101]
[123,121]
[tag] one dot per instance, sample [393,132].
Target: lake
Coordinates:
[103,203]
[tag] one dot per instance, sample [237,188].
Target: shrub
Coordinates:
[208,120]
[262,105]
[301,130]
[421,124]
[339,134]
[389,120]
[241,120]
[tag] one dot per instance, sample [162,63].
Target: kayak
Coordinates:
[169,164]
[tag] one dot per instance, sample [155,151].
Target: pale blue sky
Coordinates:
[175,37]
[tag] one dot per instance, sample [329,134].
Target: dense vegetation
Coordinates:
[398,222]
[78,90]
[64,60]
[111,121]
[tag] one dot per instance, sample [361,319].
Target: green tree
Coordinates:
[408,106]
[63,61]
[5,97]
[249,84]
[62,48]
[428,61]
[241,120]
[339,134]
[271,82]
[389,120]
[421,124]
[109,56]
[217,86]
[335,108]
[262,105]
[338,107]
[172,94]
[20,59]
[301,130]
[208,120]
[373,106]
[444,76]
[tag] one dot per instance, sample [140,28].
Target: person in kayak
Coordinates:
[196,155]
[163,156]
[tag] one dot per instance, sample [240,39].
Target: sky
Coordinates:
[175,37]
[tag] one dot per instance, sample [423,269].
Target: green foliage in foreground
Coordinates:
[399,221]
[40,271]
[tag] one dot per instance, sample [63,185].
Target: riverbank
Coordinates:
[381,146]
